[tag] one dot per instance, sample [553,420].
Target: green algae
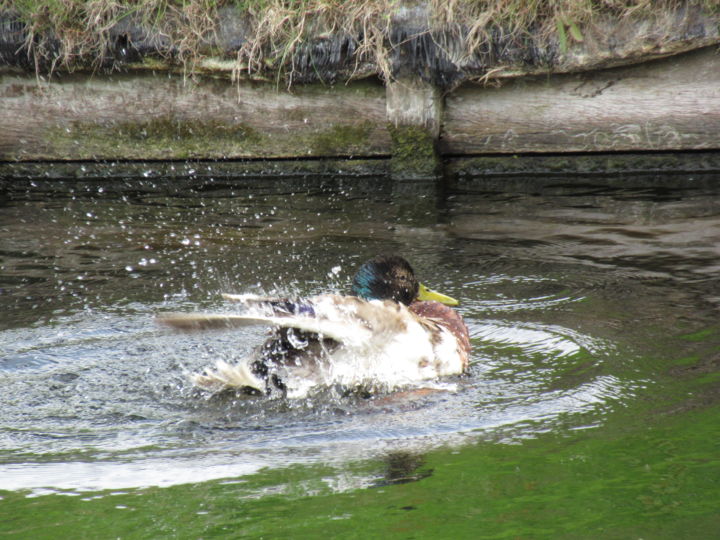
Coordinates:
[169,128]
[701,335]
[600,163]
[339,139]
[658,481]
[414,153]
[169,137]
[161,137]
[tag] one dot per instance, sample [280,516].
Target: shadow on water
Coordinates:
[579,297]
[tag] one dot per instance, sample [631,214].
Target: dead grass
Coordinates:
[79,33]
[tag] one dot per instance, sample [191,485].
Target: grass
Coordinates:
[280,34]
[78,33]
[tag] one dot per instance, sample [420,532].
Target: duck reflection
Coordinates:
[403,467]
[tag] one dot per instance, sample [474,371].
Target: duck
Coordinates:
[390,332]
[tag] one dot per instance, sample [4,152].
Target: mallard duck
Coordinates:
[391,332]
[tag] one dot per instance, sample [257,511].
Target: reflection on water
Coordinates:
[574,294]
[402,467]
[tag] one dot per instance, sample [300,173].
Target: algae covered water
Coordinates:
[590,408]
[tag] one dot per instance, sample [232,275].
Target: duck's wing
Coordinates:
[346,319]
[270,305]
[191,322]
[305,316]
[375,342]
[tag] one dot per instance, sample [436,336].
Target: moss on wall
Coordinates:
[338,139]
[168,137]
[414,154]
[160,137]
[593,164]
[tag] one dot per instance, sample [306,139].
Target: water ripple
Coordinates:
[568,298]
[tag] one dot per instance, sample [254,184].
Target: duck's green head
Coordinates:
[390,277]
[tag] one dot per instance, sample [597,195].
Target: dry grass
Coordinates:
[79,33]
[283,28]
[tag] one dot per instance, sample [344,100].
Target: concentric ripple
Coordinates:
[569,299]
[112,407]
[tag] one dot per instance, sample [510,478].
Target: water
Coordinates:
[592,305]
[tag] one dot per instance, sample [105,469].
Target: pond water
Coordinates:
[590,408]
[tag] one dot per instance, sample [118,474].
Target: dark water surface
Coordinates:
[590,410]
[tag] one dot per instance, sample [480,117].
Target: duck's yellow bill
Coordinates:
[428,294]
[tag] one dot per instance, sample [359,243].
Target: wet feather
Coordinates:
[369,340]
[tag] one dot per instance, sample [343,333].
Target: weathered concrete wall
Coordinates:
[161,116]
[669,104]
